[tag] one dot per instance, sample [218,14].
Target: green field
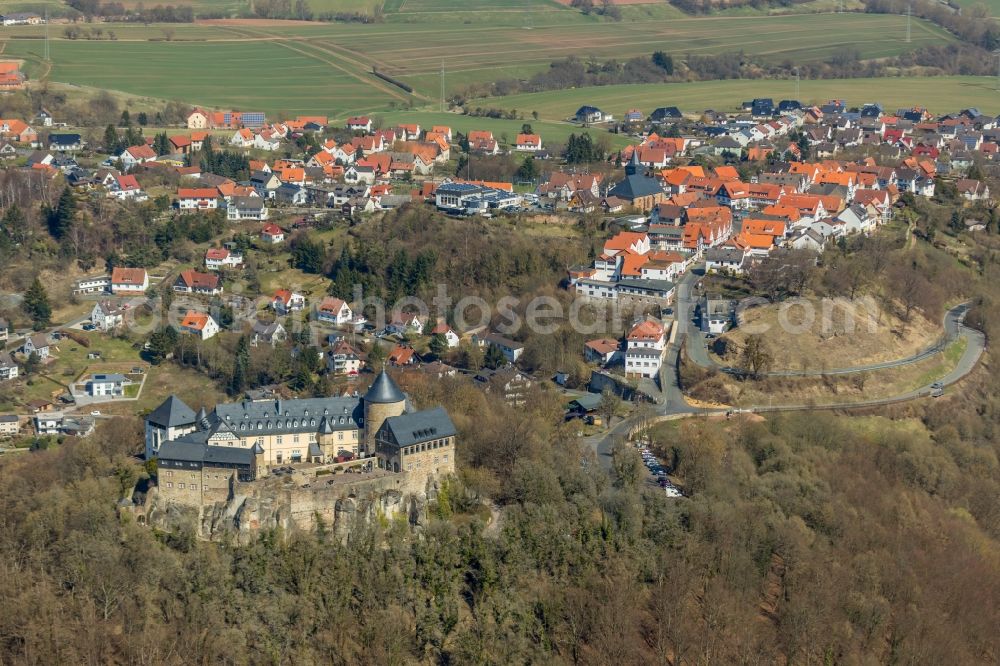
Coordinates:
[289,68]
[939,94]
[556,132]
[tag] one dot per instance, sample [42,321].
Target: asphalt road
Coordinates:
[673,405]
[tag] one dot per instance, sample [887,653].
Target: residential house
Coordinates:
[246,208]
[65,143]
[510,383]
[450,336]
[285,302]
[589,114]
[4,330]
[402,355]
[107,386]
[725,259]
[125,187]
[36,344]
[129,281]
[197,198]
[360,124]
[200,324]
[107,316]
[332,310]
[291,194]
[528,143]
[604,351]
[403,323]
[10,424]
[717,314]
[272,234]
[972,190]
[92,285]
[135,155]
[645,345]
[8,368]
[265,183]
[193,282]
[511,349]
[343,359]
[218,258]
[271,333]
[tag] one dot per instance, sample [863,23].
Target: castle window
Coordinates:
[295,423]
[169,484]
[181,486]
[312,422]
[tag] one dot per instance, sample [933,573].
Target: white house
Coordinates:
[8,368]
[360,124]
[36,344]
[246,208]
[200,324]
[197,198]
[129,281]
[107,316]
[333,310]
[217,258]
[528,143]
[93,285]
[450,336]
[111,386]
[134,155]
[285,301]
[272,234]
[645,344]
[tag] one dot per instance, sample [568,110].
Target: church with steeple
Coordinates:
[640,191]
[200,454]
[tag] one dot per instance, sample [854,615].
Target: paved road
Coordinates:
[673,405]
[698,353]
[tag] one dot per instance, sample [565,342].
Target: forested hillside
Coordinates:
[809,538]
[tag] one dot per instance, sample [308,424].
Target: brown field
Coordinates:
[887,339]
[255,22]
[619,2]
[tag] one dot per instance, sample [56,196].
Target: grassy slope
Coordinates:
[940,94]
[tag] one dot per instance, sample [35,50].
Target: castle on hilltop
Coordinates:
[202,455]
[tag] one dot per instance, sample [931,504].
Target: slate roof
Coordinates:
[422,426]
[384,390]
[171,413]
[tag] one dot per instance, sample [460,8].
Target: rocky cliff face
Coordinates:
[343,509]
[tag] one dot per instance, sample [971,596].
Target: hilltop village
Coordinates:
[246,208]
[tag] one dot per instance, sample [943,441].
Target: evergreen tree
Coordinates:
[126,120]
[112,144]
[32,364]
[308,255]
[240,378]
[61,218]
[494,357]
[664,62]
[161,144]
[13,226]
[527,170]
[36,305]
[438,344]
[161,343]
[142,119]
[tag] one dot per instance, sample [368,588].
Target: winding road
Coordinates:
[672,404]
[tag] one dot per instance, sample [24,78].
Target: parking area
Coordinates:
[658,472]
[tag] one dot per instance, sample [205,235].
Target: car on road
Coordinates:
[96,412]
[937,385]
[937,393]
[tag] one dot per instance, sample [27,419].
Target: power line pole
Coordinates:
[909,8]
[442,84]
[797,96]
[46,34]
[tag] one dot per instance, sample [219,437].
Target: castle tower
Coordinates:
[383,399]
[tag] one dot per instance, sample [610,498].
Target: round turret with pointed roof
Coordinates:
[384,390]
